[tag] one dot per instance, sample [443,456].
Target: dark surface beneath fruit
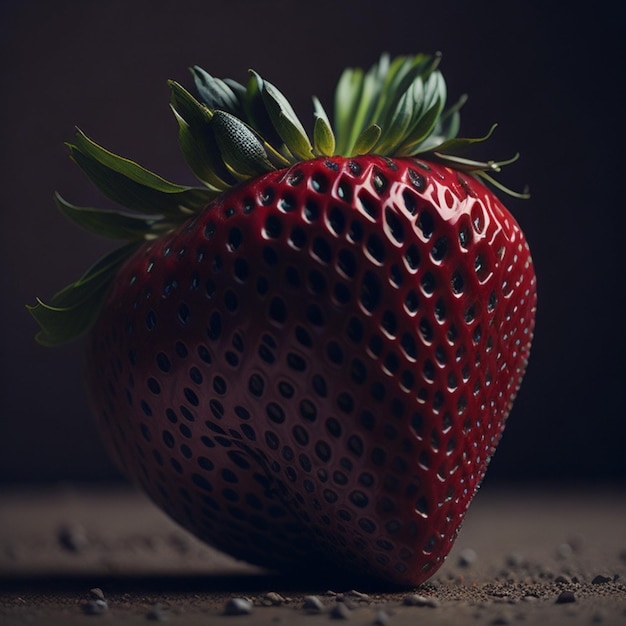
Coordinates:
[73,555]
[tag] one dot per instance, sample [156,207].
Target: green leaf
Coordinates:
[401,76]
[381,74]
[435,90]
[257,116]
[131,185]
[323,136]
[203,156]
[130,169]
[393,133]
[366,140]
[461,144]
[200,146]
[524,195]
[347,97]
[113,224]
[421,131]
[470,165]
[74,309]
[369,98]
[394,95]
[216,93]
[285,120]
[196,114]
[448,125]
[239,91]
[389,89]
[197,139]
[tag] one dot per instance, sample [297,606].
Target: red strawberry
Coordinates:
[313,356]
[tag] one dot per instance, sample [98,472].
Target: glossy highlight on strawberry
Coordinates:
[316,365]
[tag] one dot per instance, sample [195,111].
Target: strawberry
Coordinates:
[312,355]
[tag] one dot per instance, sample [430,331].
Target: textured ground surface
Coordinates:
[107,556]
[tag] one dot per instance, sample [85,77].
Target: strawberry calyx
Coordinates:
[232,133]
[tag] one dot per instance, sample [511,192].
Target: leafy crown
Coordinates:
[232,132]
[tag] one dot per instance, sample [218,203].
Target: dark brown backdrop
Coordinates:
[550,78]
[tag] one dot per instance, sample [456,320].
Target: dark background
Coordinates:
[551,78]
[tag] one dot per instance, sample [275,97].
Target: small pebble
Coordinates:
[238,606]
[313,604]
[501,620]
[566,597]
[467,557]
[601,580]
[415,599]
[359,595]
[382,618]
[340,611]
[95,607]
[562,579]
[273,599]
[97,593]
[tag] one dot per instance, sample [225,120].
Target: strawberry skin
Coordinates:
[319,364]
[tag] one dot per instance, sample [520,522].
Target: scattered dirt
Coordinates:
[95,555]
